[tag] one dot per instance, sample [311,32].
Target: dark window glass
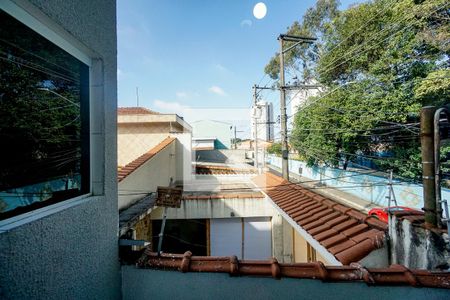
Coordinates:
[44,121]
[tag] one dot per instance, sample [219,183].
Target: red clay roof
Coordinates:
[249,195]
[132,166]
[346,233]
[135,111]
[220,170]
[394,275]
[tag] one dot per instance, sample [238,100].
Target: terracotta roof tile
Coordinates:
[394,275]
[348,234]
[345,225]
[135,111]
[334,240]
[317,229]
[221,170]
[355,230]
[341,247]
[253,195]
[131,167]
[325,235]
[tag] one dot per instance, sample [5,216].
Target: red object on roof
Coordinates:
[347,233]
[382,213]
[132,166]
[135,111]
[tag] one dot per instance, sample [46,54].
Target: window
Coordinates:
[44,121]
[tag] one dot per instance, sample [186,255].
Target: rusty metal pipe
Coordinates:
[428,170]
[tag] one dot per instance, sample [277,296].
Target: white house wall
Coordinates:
[135,139]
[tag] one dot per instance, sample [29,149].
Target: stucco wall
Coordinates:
[217,208]
[138,138]
[209,128]
[155,172]
[73,253]
[152,284]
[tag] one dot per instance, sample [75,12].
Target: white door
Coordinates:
[226,237]
[257,238]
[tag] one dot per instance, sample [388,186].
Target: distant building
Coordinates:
[204,132]
[264,121]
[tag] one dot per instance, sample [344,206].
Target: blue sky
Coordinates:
[198,53]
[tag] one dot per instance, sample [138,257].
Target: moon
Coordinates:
[260,10]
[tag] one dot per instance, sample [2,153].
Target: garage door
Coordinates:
[226,237]
[257,238]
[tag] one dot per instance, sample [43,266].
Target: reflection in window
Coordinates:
[44,121]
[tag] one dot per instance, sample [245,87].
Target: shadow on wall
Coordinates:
[219,145]
[210,156]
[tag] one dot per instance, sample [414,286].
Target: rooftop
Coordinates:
[346,233]
[135,111]
[202,169]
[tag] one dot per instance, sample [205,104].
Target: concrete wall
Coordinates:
[69,250]
[153,284]
[184,156]
[221,156]
[417,247]
[217,208]
[135,139]
[410,195]
[155,172]
[301,250]
[209,128]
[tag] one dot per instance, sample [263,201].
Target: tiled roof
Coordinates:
[135,111]
[213,196]
[394,275]
[132,166]
[346,233]
[203,148]
[220,170]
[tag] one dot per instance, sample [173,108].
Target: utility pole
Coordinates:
[235,136]
[428,169]
[255,128]
[283,116]
[284,136]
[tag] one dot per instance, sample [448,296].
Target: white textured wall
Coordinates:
[73,253]
[217,208]
[135,139]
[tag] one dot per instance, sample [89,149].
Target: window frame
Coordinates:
[37,21]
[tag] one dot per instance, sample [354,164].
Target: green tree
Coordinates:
[379,62]
[275,148]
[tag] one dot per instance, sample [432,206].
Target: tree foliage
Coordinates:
[379,62]
[275,148]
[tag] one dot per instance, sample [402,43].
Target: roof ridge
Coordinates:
[136,110]
[135,164]
[393,275]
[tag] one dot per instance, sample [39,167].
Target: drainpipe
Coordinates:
[428,170]
[437,167]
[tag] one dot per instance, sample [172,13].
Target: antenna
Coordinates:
[137,96]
